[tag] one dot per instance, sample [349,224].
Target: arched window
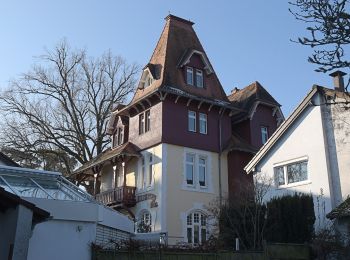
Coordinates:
[196,227]
[144,223]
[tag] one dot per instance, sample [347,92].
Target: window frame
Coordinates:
[205,171]
[193,117]
[201,224]
[199,73]
[192,164]
[141,123]
[284,168]
[205,119]
[189,70]
[147,120]
[264,131]
[144,122]
[141,220]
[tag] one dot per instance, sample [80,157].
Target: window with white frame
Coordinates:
[291,173]
[196,168]
[144,223]
[203,123]
[143,174]
[189,76]
[148,120]
[202,169]
[190,168]
[264,134]
[150,170]
[144,122]
[196,223]
[191,121]
[146,172]
[199,78]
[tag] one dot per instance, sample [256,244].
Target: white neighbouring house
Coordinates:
[310,151]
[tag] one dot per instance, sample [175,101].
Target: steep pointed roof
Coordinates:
[246,97]
[177,40]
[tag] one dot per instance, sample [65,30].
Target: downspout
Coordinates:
[220,151]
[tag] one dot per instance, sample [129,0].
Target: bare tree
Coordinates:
[329,27]
[62,105]
[244,217]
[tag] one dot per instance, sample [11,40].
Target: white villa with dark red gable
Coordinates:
[173,143]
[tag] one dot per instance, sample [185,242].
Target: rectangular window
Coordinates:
[291,173]
[142,177]
[264,134]
[191,121]
[202,123]
[141,123]
[202,168]
[150,170]
[120,136]
[148,120]
[189,76]
[189,168]
[189,235]
[279,176]
[199,78]
[297,172]
[115,138]
[196,234]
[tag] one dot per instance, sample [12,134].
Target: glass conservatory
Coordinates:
[40,184]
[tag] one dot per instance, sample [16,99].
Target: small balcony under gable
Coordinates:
[109,172]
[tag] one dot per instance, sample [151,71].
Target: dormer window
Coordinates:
[199,78]
[194,77]
[147,78]
[189,76]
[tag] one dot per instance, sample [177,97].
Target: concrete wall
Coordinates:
[60,239]
[84,212]
[303,140]
[72,229]
[15,226]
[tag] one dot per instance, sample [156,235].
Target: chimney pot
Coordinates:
[338,80]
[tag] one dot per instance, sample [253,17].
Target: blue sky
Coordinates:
[244,40]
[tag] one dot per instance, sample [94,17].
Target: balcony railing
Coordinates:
[121,195]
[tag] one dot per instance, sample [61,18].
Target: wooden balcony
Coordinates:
[124,195]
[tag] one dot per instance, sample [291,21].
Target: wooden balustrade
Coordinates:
[121,195]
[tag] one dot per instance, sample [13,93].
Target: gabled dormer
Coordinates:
[149,75]
[195,67]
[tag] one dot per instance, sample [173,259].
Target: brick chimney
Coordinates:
[338,80]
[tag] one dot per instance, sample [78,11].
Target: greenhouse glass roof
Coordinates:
[40,184]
